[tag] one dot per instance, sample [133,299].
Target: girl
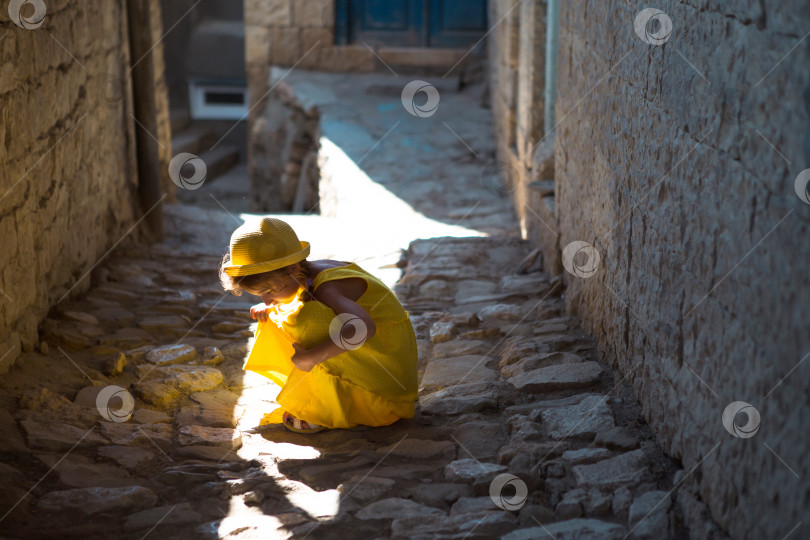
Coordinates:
[333,336]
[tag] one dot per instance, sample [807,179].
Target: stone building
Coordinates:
[673,154]
[84,156]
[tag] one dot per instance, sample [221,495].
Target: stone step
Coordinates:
[193,140]
[219,160]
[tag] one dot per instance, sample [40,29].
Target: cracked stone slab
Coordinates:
[438,493]
[460,347]
[365,488]
[316,472]
[171,354]
[421,449]
[626,469]
[472,470]
[466,525]
[573,529]
[479,438]
[137,434]
[219,417]
[408,472]
[56,436]
[209,436]
[585,455]
[537,450]
[177,514]
[157,393]
[212,453]
[460,398]
[94,500]
[126,337]
[441,331]
[148,416]
[536,282]
[572,504]
[393,508]
[164,322]
[445,372]
[509,312]
[77,471]
[183,378]
[649,517]
[468,288]
[538,361]
[516,349]
[129,457]
[560,377]
[583,420]
[618,438]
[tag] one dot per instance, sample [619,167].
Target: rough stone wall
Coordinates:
[524,154]
[68,181]
[284,145]
[677,163]
[286,33]
[160,90]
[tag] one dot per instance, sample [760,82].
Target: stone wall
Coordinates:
[284,144]
[68,183]
[677,163]
[517,80]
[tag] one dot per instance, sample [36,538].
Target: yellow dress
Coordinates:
[374,384]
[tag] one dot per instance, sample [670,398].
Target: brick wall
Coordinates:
[677,163]
[68,184]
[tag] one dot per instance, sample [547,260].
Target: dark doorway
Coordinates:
[411,23]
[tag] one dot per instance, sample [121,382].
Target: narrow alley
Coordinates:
[520,423]
[581,220]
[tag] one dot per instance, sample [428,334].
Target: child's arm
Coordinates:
[261,312]
[340,295]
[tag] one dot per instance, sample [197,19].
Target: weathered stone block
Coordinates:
[312,12]
[268,13]
[583,420]
[94,500]
[285,49]
[443,372]
[558,377]
[623,470]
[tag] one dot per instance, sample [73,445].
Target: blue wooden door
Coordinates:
[411,23]
[456,23]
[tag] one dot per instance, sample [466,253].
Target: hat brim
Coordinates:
[236,270]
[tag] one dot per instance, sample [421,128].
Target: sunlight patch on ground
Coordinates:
[372,225]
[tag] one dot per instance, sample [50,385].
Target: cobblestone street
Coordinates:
[521,430]
[508,385]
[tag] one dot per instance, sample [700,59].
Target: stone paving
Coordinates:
[508,385]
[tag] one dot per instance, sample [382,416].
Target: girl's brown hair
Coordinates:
[235,284]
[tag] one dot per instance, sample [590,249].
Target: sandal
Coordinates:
[300,426]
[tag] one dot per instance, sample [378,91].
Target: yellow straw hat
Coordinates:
[267,245]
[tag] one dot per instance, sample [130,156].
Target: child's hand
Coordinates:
[303,358]
[260,312]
